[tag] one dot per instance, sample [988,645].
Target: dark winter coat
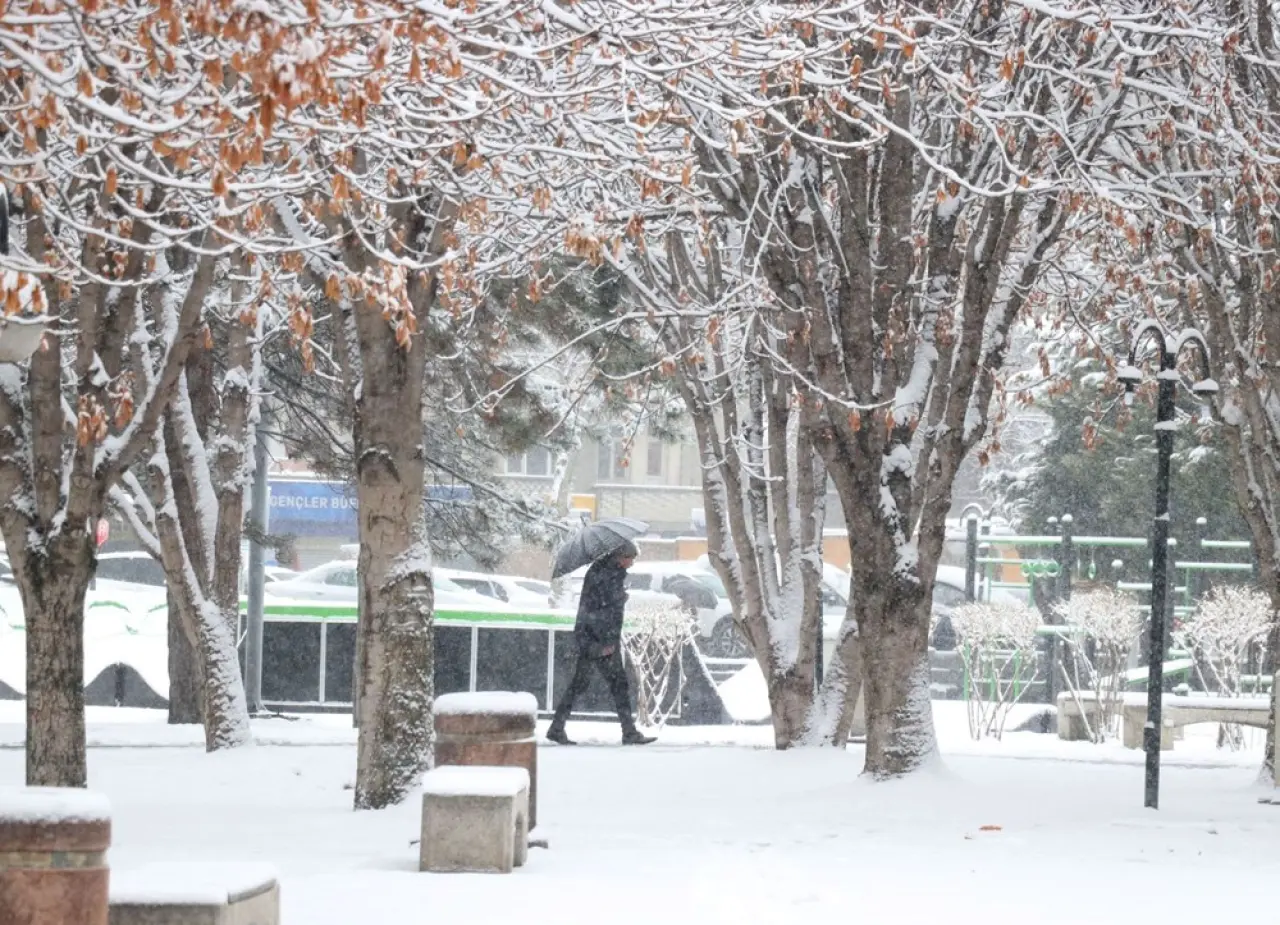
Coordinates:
[604,594]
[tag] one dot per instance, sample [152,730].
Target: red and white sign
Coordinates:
[103,533]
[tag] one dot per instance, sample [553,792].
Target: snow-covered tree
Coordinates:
[763,482]
[187,504]
[125,142]
[429,141]
[902,180]
[1197,244]
[1224,632]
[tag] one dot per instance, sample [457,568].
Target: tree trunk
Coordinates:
[210,633]
[831,720]
[226,713]
[895,656]
[185,679]
[790,699]
[1270,771]
[396,644]
[384,367]
[53,596]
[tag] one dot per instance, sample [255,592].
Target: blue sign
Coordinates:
[306,507]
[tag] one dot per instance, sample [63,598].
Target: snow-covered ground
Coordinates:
[712,826]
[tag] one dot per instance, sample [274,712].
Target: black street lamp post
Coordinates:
[1169,347]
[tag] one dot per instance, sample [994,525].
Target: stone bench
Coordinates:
[474,818]
[195,894]
[1177,712]
[1072,713]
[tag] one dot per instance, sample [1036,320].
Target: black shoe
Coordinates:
[636,737]
[559,737]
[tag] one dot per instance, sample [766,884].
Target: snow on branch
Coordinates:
[1101,628]
[998,644]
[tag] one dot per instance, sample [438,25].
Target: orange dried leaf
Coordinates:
[124,411]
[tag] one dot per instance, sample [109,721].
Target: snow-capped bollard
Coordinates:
[494,728]
[53,856]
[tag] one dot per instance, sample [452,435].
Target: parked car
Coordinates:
[138,567]
[636,597]
[509,589]
[134,567]
[336,583]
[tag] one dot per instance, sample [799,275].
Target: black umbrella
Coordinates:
[595,541]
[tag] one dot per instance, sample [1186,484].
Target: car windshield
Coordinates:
[712,581]
[317,574]
[441,583]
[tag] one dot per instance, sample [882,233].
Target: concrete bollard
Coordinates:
[494,729]
[53,856]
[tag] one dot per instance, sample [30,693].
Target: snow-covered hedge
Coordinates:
[1226,634]
[653,638]
[1101,629]
[997,641]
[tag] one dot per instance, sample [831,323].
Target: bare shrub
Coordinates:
[1227,633]
[1100,632]
[997,642]
[653,638]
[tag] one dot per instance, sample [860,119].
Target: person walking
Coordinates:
[598,634]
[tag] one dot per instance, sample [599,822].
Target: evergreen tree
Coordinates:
[1098,464]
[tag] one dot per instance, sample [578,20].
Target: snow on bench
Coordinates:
[1177,711]
[475,818]
[481,781]
[490,703]
[36,805]
[195,893]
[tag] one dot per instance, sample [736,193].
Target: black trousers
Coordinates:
[614,674]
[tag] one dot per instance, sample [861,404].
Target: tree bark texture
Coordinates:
[396,647]
[53,592]
[831,722]
[894,640]
[185,679]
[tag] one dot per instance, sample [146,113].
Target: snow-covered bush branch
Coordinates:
[998,644]
[1100,630]
[1227,634]
[654,640]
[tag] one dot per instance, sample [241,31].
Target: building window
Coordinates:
[611,460]
[536,461]
[654,454]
